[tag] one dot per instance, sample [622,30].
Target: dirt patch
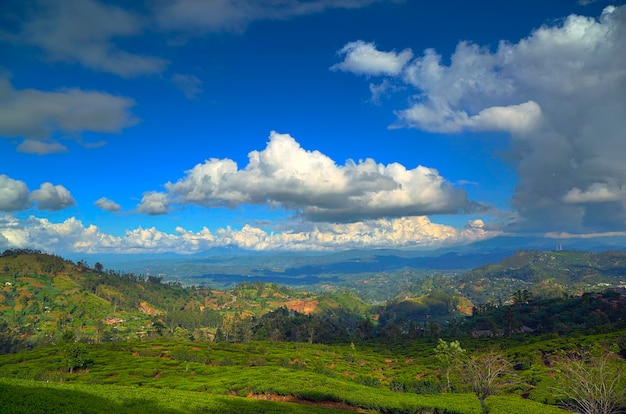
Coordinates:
[302,306]
[293,399]
[145,308]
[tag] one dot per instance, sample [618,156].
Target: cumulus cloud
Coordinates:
[51,197]
[14,194]
[364,59]
[107,205]
[189,84]
[154,203]
[312,184]
[83,31]
[37,115]
[560,93]
[235,15]
[72,235]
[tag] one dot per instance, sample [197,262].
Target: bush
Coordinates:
[75,356]
[416,386]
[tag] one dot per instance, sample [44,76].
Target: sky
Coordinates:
[309,125]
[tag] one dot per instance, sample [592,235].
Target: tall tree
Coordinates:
[448,355]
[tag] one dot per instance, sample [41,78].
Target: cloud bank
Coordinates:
[73,236]
[560,95]
[310,183]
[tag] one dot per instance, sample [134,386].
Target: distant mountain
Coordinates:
[228,267]
[544,274]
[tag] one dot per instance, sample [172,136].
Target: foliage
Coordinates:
[589,384]
[485,373]
[448,355]
[75,355]
[261,339]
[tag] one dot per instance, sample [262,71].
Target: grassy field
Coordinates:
[27,396]
[171,377]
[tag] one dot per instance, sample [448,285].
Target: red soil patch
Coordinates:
[145,308]
[293,399]
[306,307]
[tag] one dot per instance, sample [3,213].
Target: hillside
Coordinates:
[543,274]
[41,296]
[99,339]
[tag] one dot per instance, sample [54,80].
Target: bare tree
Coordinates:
[485,373]
[591,384]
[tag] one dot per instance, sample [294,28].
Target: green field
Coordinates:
[171,377]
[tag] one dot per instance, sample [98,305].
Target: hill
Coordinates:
[543,274]
[42,295]
[100,339]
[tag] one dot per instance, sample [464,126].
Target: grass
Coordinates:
[165,375]
[23,396]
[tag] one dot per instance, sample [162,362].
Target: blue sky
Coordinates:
[182,125]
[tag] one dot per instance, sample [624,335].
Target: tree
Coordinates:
[75,355]
[591,384]
[485,372]
[448,355]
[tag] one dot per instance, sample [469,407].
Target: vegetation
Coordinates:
[590,384]
[87,339]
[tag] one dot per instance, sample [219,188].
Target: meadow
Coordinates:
[263,376]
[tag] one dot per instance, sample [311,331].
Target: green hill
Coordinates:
[85,339]
[544,274]
[41,296]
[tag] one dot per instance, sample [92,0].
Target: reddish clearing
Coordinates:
[293,399]
[306,307]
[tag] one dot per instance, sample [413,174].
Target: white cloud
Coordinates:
[518,119]
[309,182]
[36,115]
[30,146]
[364,59]
[188,84]
[13,194]
[154,203]
[83,31]
[52,197]
[107,205]
[596,193]
[73,236]
[561,94]
[235,15]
